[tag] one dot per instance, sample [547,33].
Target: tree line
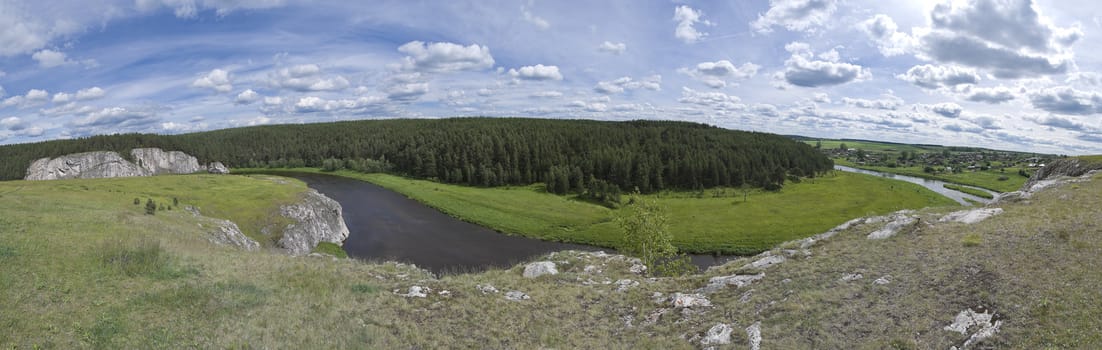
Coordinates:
[568,155]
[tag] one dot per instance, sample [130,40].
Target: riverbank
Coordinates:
[719,221]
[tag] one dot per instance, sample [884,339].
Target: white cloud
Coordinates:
[717,101]
[993,95]
[948,109]
[933,77]
[11,123]
[311,104]
[406,87]
[613,48]
[246,97]
[306,78]
[1066,100]
[91,93]
[795,15]
[801,69]
[537,72]
[273,101]
[62,97]
[37,95]
[50,58]
[187,9]
[1010,38]
[533,19]
[546,94]
[445,57]
[116,119]
[1061,122]
[217,80]
[887,102]
[653,83]
[715,74]
[686,18]
[883,30]
[821,97]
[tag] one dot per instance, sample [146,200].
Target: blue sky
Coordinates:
[1008,74]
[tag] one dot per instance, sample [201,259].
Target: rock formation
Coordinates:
[103,164]
[218,168]
[317,218]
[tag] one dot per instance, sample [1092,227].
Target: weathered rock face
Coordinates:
[1070,167]
[96,165]
[158,162]
[317,219]
[88,165]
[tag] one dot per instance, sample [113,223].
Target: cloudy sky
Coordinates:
[1008,74]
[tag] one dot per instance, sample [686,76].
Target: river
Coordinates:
[386,226]
[933,185]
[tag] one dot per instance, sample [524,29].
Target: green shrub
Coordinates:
[331,249]
[145,258]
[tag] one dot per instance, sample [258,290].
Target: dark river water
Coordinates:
[385,225]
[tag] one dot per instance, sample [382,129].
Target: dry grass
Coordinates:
[1035,266]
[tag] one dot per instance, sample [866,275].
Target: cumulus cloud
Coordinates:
[992,95]
[714,100]
[50,58]
[191,8]
[885,33]
[12,123]
[795,15]
[1066,100]
[1011,38]
[948,109]
[653,83]
[715,74]
[1061,122]
[217,80]
[312,104]
[62,97]
[445,57]
[613,48]
[821,97]
[306,78]
[934,77]
[802,69]
[887,102]
[537,72]
[686,18]
[406,87]
[91,93]
[247,97]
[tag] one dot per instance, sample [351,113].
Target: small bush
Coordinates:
[972,239]
[331,249]
[150,207]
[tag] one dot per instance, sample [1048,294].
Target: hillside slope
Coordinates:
[84,268]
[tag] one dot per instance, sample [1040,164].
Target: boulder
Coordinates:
[896,223]
[852,277]
[516,295]
[717,335]
[718,283]
[886,279]
[416,292]
[486,288]
[971,216]
[980,322]
[540,268]
[317,218]
[625,284]
[753,333]
[217,168]
[681,300]
[227,233]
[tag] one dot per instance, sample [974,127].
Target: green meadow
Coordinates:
[988,179]
[724,220]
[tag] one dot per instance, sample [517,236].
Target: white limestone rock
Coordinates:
[719,334]
[971,216]
[317,218]
[540,268]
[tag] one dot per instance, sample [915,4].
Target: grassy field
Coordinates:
[83,267]
[875,146]
[969,190]
[983,179]
[719,221]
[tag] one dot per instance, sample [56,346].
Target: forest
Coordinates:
[567,155]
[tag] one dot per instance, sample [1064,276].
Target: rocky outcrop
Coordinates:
[540,268]
[971,216]
[979,322]
[896,222]
[224,232]
[218,168]
[96,165]
[158,162]
[1068,167]
[317,218]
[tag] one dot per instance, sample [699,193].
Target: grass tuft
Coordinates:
[971,239]
[145,258]
[330,249]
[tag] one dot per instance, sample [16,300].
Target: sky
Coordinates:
[1004,74]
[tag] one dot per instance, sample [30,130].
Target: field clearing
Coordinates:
[719,221]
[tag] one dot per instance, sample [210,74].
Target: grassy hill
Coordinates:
[83,267]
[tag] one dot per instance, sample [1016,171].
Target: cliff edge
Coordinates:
[106,164]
